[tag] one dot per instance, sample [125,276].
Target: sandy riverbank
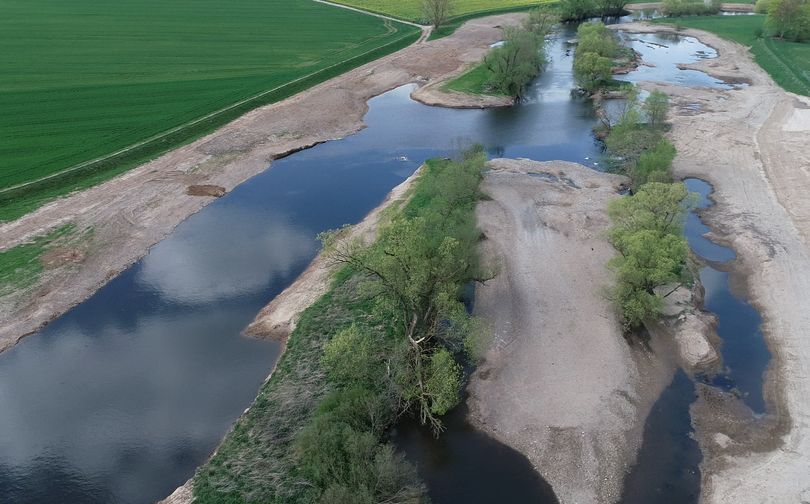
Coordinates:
[751,144]
[561,384]
[132,212]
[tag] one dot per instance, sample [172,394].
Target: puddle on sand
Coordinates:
[667,51]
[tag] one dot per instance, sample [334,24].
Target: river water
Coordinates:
[120,399]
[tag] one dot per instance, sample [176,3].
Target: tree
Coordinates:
[611,7]
[541,21]
[437,12]
[647,232]
[516,62]
[656,106]
[789,19]
[591,70]
[414,272]
[577,10]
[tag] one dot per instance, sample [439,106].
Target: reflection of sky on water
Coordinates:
[665,52]
[179,270]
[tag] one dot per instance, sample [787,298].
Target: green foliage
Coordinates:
[79,88]
[647,232]
[577,10]
[474,81]
[789,19]
[515,63]
[380,342]
[656,106]
[677,8]
[761,7]
[653,165]
[593,65]
[596,38]
[592,71]
[443,382]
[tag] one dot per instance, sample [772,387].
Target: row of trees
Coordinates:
[577,10]
[788,19]
[521,57]
[593,59]
[677,8]
[647,228]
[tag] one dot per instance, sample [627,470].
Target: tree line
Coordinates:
[647,226]
[787,19]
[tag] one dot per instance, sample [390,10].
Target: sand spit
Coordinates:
[129,214]
[278,319]
[560,384]
[751,144]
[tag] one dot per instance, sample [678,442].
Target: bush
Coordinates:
[653,165]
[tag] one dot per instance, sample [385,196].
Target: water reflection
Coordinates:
[666,51]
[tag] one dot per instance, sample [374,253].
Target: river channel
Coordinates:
[120,399]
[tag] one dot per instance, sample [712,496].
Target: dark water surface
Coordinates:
[744,351]
[121,398]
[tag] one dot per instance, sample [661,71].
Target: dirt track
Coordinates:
[561,384]
[132,212]
[752,145]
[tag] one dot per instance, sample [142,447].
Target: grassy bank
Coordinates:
[380,343]
[463,10]
[90,79]
[788,63]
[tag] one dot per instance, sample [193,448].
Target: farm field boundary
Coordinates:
[30,174]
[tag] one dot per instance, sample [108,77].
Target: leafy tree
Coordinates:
[789,19]
[437,12]
[647,232]
[516,62]
[596,38]
[656,106]
[592,70]
[653,165]
[577,10]
[655,206]
[611,7]
[541,21]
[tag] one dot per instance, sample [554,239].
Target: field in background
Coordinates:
[411,10]
[85,79]
[787,62]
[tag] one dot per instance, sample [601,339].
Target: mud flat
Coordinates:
[751,143]
[560,384]
[132,212]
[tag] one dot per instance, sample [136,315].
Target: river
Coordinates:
[120,399]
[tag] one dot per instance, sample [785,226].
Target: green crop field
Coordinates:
[83,79]
[411,10]
[787,62]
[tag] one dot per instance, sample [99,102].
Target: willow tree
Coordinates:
[436,12]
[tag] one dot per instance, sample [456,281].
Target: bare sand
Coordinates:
[560,384]
[753,145]
[129,214]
